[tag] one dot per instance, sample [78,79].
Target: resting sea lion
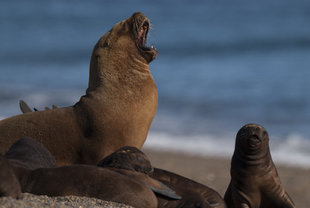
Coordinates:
[194,195]
[9,185]
[118,107]
[254,179]
[121,184]
[30,154]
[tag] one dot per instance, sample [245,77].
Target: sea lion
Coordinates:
[254,179]
[118,107]
[193,194]
[118,184]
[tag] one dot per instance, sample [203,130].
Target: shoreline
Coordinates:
[215,173]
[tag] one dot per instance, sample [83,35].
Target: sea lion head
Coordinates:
[252,139]
[129,158]
[128,38]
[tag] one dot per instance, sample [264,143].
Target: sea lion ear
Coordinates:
[159,188]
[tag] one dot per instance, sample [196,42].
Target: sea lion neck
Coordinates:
[115,68]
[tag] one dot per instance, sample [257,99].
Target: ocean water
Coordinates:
[221,64]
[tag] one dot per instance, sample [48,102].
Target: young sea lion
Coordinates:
[118,107]
[30,154]
[9,185]
[193,194]
[128,184]
[254,179]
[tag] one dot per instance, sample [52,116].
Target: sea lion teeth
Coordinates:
[117,110]
[254,179]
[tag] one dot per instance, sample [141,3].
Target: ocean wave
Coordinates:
[291,151]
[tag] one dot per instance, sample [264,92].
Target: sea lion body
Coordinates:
[254,179]
[123,181]
[192,194]
[117,110]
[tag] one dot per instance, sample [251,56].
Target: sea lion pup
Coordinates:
[118,107]
[30,154]
[254,179]
[123,186]
[193,195]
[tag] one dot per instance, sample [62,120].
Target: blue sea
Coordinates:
[221,64]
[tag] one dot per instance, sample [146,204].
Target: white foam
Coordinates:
[292,151]
[205,145]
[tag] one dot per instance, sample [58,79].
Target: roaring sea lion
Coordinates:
[118,184]
[193,194]
[118,107]
[254,179]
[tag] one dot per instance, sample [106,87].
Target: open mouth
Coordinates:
[142,36]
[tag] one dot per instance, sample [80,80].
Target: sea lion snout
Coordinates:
[252,136]
[141,26]
[130,36]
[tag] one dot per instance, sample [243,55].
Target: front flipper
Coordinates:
[277,200]
[163,190]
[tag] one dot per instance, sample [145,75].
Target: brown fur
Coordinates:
[117,110]
[194,195]
[9,185]
[89,181]
[254,179]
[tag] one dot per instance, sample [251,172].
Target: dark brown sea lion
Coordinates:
[194,195]
[254,179]
[118,107]
[113,183]
[9,185]
[30,154]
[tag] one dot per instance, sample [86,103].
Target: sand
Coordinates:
[214,172]
[34,201]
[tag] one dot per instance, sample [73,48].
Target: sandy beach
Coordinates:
[214,172]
